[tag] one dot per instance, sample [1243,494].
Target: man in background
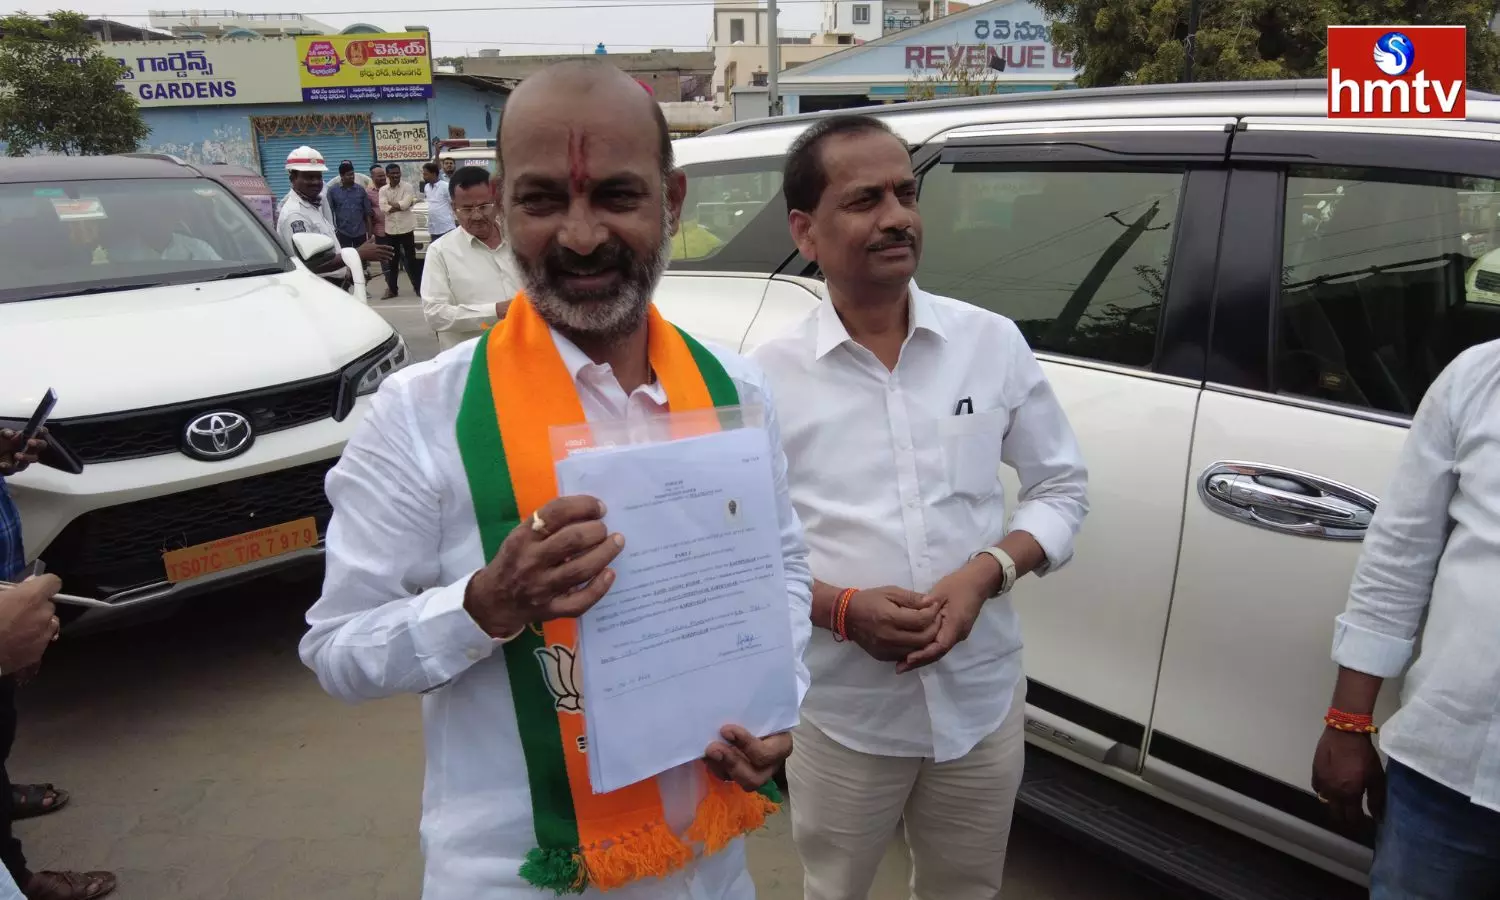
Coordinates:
[377,215]
[27,626]
[1423,604]
[397,200]
[468,277]
[353,214]
[449,165]
[439,203]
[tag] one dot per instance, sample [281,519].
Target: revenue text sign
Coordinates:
[336,67]
[206,73]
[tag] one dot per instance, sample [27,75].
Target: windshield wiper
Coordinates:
[250,272]
[97,289]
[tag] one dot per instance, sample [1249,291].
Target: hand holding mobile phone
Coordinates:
[39,417]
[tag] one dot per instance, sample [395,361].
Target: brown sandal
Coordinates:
[69,885]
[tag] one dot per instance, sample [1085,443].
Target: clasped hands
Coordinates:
[555,566]
[913,630]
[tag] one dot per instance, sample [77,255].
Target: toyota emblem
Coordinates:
[217,435]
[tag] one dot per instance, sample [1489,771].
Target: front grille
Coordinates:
[152,432]
[116,548]
[1487,281]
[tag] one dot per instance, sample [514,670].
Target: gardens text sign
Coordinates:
[207,73]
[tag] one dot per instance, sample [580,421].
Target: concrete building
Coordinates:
[1006,43]
[249,102]
[228,23]
[870,20]
[672,75]
[741,46]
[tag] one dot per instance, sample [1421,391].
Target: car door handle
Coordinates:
[1286,500]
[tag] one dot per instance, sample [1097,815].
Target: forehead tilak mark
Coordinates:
[578,172]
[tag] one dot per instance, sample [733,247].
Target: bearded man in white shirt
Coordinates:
[469,275]
[1423,604]
[455,572]
[898,408]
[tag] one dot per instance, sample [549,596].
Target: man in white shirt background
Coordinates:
[898,408]
[397,199]
[305,209]
[413,604]
[439,202]
[1427,576]
[468,276]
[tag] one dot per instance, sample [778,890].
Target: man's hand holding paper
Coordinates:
[696,620]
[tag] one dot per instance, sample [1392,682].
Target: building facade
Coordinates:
[672,75]
[249,102]
[1005,44]
[741,46]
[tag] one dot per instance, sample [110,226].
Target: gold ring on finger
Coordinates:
[537,525]
[1322,799]
[56,627]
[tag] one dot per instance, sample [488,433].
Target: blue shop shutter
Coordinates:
[274,151]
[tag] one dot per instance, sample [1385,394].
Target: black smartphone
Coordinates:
[39,418]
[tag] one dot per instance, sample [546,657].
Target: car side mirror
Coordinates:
[315,250]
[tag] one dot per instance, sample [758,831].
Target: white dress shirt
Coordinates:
[440,219]
[297,216]
[401,549]
[402,220]
[1433,549]
[462,280]
[894,488]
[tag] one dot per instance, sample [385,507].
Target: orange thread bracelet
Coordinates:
[1353,722]
[840,614]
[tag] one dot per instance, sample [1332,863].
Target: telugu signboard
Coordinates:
[207,73]
[336,67]
[402,141]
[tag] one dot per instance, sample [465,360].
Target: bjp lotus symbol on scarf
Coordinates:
[559,667]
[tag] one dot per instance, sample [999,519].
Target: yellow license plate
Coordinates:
[240,550]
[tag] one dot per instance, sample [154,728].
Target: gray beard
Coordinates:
[598,319]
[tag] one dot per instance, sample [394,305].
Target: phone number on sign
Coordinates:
[241,550]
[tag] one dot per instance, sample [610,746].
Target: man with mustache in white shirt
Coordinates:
[898,408]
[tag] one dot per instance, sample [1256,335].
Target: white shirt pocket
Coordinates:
[971,448]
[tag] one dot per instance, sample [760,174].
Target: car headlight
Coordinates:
[366,374]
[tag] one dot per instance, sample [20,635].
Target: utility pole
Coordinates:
[773,61]
[1191,45]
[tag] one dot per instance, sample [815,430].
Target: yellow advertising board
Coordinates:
[337,67]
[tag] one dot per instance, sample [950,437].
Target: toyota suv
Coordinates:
[1240,303]
[206,380]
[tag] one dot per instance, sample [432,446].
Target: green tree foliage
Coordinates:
[58,94]
[1143,41]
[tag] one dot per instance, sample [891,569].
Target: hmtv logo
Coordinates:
[1396,71]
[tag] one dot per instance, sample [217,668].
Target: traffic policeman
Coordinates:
[305,209]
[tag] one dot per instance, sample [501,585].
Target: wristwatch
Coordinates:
[1007,567]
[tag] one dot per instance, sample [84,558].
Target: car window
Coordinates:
[719,206]
[1386,276]
[76,236]
[1077,258]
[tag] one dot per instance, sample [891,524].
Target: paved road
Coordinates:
[206,764]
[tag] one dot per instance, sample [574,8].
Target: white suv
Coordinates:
[206,381]
[1240,356]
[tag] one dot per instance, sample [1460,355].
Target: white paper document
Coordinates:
[696,632]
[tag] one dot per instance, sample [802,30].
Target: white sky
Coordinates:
[543,27]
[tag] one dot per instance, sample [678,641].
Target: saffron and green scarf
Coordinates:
[518,388]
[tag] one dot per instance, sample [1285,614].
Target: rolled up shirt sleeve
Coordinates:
[1392,585]
[384,625]
[1040,445]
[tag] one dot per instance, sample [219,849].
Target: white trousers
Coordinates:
[846,806]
